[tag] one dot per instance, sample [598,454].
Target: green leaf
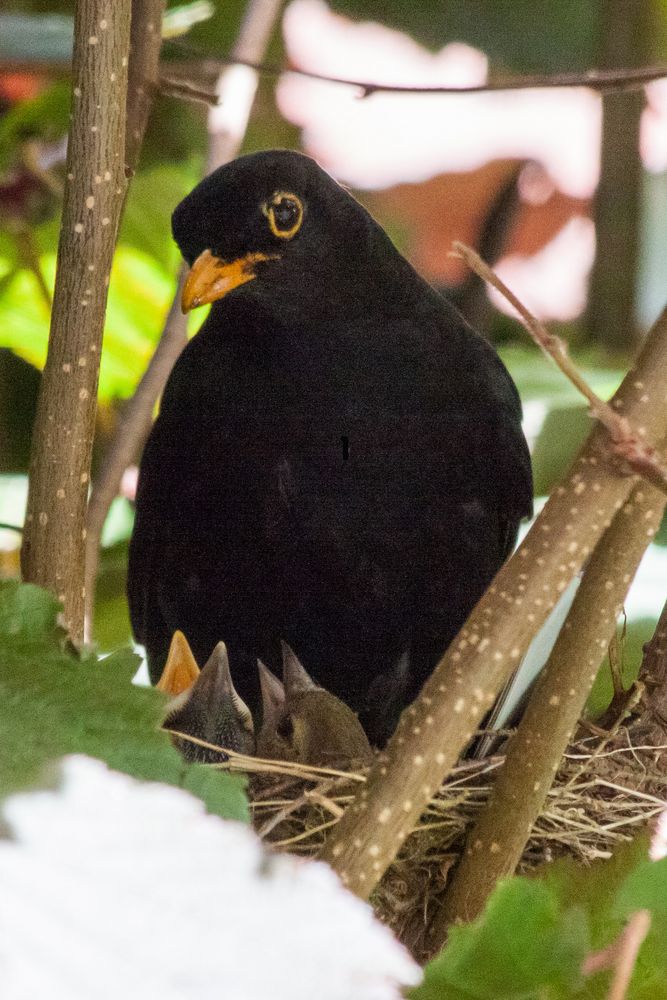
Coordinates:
[608,891]
[524,946]
[53,702]
[644,889]
[140,294]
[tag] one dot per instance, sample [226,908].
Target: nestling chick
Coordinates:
[212,711]
[304,723]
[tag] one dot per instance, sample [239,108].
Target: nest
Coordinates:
[607,789]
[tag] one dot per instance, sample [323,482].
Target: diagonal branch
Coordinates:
[433,731]
[534,753]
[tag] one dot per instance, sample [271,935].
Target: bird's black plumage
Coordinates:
[338,461]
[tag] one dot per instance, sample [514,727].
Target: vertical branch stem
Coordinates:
[145,45]
[534,753]
[627,32]
[54,538]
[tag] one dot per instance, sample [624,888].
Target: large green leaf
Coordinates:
[139,296]
[608,892]
[524,946]
[531,941]
[53,702]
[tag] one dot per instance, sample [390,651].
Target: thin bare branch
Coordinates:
[602,81]
[201,61]
[627,443]
[145,44]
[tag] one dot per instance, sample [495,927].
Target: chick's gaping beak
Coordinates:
[210,278]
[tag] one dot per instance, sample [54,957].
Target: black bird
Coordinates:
[338,461]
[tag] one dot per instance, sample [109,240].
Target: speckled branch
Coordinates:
[145,45]
[433,731]
[534,753]
[53,543]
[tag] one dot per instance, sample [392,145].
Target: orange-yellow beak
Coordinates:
[210,278]
[181,670]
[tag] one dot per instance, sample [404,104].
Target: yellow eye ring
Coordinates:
[285,214]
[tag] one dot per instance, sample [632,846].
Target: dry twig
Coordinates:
[602,81]
[628,444]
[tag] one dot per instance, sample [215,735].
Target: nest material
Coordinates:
[606,790]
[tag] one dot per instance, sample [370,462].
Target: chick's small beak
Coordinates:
[210,278]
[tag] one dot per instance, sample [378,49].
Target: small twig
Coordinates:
[627,444]
[186,91]
[621,955]
[242,762]
[603,81]
[599,80]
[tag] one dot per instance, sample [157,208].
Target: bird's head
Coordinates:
[273,219]
[306,724]
[211,710]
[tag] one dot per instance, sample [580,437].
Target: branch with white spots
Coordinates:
[145,44]
[626,443]
[434,730]
[54,537]
[534,753]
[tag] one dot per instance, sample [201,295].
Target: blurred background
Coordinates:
[563,190]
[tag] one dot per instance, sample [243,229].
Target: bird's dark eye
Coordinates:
[285,214]
[285,727]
